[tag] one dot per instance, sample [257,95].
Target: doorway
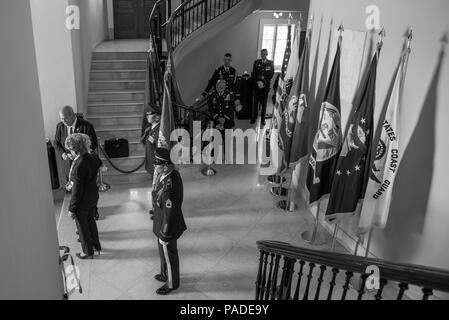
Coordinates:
[131,18]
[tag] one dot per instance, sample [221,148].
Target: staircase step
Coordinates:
[119,55]
[119,64]
[103,85]
[115,178]
[118,74]
[116,120]
[109,96]
[109,132]
[125,164]
[103,108]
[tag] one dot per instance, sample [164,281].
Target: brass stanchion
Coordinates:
[209,171]
[103,186]
[314,237]
[276,179]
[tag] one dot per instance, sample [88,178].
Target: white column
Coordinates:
[29,267]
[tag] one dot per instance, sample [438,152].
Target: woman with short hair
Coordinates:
[83,177]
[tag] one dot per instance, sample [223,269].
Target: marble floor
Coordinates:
[225,214]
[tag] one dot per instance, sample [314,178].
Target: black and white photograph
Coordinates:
[225,155]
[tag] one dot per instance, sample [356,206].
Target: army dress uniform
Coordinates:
[169,224]
[222,105]
[227,74]
[262,71]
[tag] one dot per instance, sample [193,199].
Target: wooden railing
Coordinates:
[193,14]
[293,273]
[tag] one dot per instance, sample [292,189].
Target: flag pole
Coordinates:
[334,236]
[368,245]
[313,237]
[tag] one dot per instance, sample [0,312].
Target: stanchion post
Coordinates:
[103,186]
[334,236]
[209,171]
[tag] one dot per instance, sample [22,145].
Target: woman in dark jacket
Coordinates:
[83,177]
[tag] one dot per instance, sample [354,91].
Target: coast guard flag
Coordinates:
[328,138]
[294,113]
[386,162]
[351,176]
[167,116]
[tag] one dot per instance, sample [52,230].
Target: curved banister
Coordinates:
[427,278]
[185,19]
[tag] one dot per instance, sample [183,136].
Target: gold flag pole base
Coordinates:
[275,179]
[279,191]
[208,171]
[288,206]
[103,186]
[314,238]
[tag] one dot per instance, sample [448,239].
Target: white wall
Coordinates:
[54,59]
[240,39]
[93,31]
[29,266]
[418,224]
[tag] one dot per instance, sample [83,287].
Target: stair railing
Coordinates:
[287,272]
[185,19]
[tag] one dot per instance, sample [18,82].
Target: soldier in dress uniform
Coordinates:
[221,107]
[263,72]
[229,75]
[169,222]
[150,137]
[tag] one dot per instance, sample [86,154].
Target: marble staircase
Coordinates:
[115,106]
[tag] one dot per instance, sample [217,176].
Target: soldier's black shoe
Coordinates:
[160,278]
[164,290]
[83,256]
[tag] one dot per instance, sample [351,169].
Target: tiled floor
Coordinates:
[225,214]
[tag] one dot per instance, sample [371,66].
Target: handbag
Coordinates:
[116,148]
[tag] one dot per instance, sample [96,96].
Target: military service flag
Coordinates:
[328,138]
[300,140]
[167,116]
[351,176]
[294,115]
[386,161]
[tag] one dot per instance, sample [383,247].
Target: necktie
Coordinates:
[70,131]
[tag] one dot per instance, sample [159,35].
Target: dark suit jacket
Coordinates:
[167,196]
[84,178]
[82,126]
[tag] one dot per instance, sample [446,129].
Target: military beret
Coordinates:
[162,155]
[153,109]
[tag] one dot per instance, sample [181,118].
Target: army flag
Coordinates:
[386,161]
[294,114]
[167,116]
[328,138]
[351,175]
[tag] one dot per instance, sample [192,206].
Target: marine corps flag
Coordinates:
[300,140]
[167,116]
[351,175]
[386,161]
[294,114]
[328,138]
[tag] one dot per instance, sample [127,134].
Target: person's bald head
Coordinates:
[67,115]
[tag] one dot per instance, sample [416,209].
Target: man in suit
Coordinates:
[83,203]
[263,72]
[169,222]
[227,73]
[70,124]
